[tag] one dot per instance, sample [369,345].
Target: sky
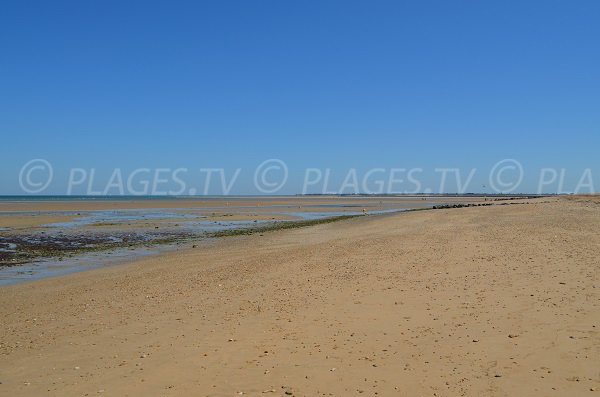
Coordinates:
[332,86]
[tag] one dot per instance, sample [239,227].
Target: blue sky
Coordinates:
[337,85]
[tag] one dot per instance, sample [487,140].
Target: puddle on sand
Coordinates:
[55,267]
[8,247]
[118,216]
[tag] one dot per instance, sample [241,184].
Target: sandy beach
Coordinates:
[496,301]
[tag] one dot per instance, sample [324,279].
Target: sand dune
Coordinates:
[497,301]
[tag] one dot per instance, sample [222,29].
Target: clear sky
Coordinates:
[324,84]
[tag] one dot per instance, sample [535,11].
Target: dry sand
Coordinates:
[497,301]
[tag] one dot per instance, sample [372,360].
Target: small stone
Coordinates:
[512,335]
[143,356]
[475,340]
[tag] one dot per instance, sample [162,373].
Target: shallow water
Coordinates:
[54,267]
[8,247]
[116,216]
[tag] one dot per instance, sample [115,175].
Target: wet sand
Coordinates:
[38,214]
[251,216]
[497,301]
[232,201]
[32,220]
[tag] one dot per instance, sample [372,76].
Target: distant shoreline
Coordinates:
[36,198]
